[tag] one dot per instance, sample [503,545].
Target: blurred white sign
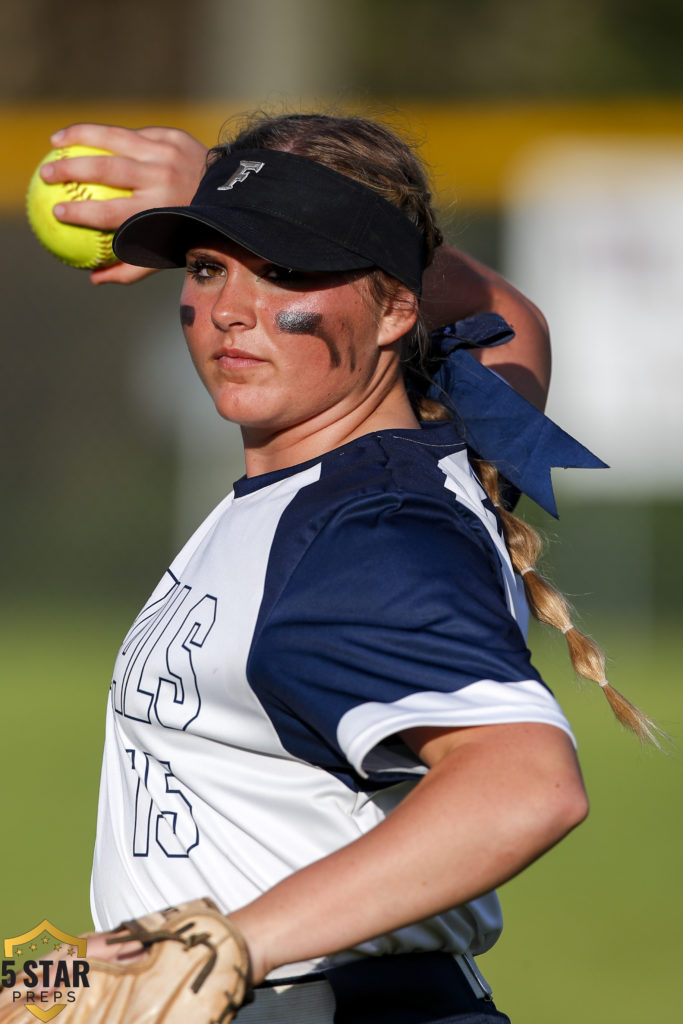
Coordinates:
[594,235]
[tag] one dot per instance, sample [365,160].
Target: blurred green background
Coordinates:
[110,453]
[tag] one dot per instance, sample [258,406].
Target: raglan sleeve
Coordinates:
[394,617]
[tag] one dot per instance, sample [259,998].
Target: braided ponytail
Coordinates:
[549,606]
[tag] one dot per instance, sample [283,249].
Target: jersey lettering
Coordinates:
[143,812]
[162,812]
[164,637]
[177,700]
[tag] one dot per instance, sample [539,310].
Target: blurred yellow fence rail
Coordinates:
[469,146]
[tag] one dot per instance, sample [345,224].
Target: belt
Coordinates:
[407,988]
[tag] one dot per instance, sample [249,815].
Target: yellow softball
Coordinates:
[78,246]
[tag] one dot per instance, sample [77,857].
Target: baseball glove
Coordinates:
[196,972]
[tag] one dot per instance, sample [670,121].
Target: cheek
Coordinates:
[306,359]
[188,310]
[194,314]
[187,315]
[298,321]
[318,369]
[190,321]
[195,304]
[333,328]
[350,346]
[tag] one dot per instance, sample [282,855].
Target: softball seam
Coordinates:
[77,191]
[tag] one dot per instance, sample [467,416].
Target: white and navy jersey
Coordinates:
[258,700]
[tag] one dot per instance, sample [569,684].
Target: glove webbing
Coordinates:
[135,933]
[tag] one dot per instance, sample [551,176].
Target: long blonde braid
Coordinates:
[549,606]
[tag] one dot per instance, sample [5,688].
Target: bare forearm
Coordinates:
[472,822]
[457,286]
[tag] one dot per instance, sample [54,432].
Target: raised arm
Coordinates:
[456,286]
[161,166]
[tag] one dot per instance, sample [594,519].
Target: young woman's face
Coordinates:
[276,348]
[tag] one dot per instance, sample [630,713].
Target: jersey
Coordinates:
[256,710]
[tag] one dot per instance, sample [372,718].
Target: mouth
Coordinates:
[237,358]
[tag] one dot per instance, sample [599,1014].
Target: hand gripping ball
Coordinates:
[78,246]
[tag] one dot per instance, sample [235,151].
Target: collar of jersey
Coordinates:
[445,435]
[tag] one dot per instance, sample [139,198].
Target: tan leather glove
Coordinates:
[196,971]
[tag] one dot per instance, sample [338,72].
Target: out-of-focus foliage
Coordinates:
[390,48]
[122,49]
[528,48]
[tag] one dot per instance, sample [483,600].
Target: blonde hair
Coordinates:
[549,606]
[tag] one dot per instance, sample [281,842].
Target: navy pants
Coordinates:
[410,988]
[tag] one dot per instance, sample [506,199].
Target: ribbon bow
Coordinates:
[495,421]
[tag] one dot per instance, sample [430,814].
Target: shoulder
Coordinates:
[385,584]
[403,500]
[405,479]
[387,534]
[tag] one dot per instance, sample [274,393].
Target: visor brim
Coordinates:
[160,239]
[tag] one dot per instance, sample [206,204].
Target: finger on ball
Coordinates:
[83,246]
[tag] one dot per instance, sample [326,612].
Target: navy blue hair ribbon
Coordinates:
[494,420]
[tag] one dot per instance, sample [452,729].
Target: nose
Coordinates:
[235,304]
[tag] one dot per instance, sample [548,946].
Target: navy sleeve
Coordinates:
[397,600]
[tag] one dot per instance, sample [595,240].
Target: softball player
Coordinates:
[325,717]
